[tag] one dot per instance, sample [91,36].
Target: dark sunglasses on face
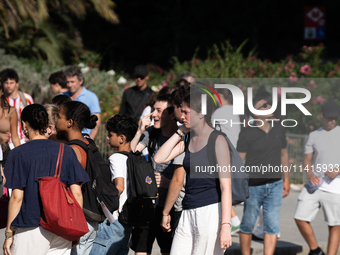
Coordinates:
[263,106]
[139,76]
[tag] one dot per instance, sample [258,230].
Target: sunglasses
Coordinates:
[263,106]
[140,77]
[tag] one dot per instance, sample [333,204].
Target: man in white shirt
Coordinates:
[323,187]
[17,99]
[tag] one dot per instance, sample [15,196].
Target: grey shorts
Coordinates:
[309,204]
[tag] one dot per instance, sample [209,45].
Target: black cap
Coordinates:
[140,71]
[330,109]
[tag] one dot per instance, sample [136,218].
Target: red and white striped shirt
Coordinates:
[18,105]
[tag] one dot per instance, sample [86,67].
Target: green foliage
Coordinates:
[304,70]
[88,58]
[44,30]
[223,61]
[107,89]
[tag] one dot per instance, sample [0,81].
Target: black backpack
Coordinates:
[99,188]
[239,178]
[139,208]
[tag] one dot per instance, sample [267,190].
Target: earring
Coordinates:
[25,132]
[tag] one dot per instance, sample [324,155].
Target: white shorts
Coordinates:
[38,241]
[198,232]
[309,204]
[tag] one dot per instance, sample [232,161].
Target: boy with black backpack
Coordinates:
[154,137]
[112,238]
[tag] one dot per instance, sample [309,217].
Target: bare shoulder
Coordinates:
[221,141]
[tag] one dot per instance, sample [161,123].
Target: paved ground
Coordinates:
[291,242]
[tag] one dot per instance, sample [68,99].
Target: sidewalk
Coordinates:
[291,242]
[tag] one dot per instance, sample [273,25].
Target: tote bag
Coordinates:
[61,215]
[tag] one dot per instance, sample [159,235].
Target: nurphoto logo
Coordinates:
[238,97]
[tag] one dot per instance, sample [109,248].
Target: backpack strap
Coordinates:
[211,146]
[23,98]
[85,147]
[124,153]
[91,146]
[153,138]
[79,143]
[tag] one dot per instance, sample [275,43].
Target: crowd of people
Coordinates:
[194,213]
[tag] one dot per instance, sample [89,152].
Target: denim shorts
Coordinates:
[111,239]
[270,197]
[86,241]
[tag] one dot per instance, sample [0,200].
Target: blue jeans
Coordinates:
[86,241]
[270,197]
[111,239]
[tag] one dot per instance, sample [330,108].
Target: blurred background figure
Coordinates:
[58,82]
[136,97]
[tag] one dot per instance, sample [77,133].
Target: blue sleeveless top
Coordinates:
[202,188]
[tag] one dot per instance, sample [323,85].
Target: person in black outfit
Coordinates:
[136,97]
[263,147]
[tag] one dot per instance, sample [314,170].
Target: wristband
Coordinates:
[180,135]
[225,223]
[166,215]
[9,234]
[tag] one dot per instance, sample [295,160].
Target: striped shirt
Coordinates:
[18,105]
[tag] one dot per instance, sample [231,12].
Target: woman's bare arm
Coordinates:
[14,207]
[76,192]
[223,159]
[3,175]
[175,187]
[13,120]
[173,147]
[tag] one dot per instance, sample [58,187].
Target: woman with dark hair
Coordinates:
[73,117]
[8,123]
[204,226]
[25,164]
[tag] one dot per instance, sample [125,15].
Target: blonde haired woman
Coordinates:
[51,131]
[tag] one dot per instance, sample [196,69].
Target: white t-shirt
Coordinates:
[326,148]
[119,169]
[232,130]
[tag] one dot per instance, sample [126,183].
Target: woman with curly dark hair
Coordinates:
[73,117]
[24,166]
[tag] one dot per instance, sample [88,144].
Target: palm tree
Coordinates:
[44,29]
